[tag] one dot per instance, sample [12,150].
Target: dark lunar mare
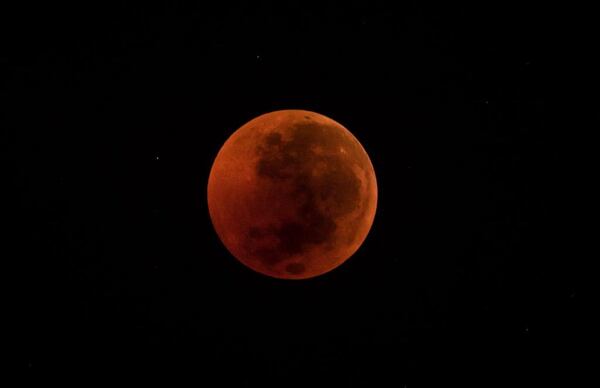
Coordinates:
[292,163]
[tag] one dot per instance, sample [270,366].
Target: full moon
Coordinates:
[292,194]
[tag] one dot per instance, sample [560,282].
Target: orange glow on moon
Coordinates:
[292,194]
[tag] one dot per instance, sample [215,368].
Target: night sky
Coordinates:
[117,112]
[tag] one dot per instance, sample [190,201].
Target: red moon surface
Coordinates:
[292,194]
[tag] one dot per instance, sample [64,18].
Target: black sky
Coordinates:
[118,112]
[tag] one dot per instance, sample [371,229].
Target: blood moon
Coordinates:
[292,194]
